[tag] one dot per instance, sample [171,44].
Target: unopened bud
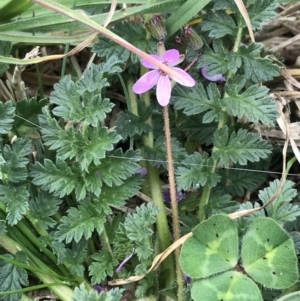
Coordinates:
[157,28]
[191,38]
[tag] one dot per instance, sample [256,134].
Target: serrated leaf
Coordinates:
[268,254]
[85,146]
[58,178]
[102,266]
[12,278]
[27,111]
[16,200]
[117,195]
[117,167]
[138,229]
[236,181]
[239,147]
[80,223]
[129,124]
[79,105]
[16,160]
[219,24]
[261,12]
[158,152]
[252,103]
[220,203]
[215,58]
[42,208]
[133,33]
[196,172]
[76,256]
[202,133]
[81,293]
[213,248]
[7,113]
[280,209]
[229,286]
[196,100]
[255,68]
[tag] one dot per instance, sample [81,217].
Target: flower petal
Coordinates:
[212,78]
[187,81]
[146,82]
[163,90]
[171,56]
[150,65]
[118,270]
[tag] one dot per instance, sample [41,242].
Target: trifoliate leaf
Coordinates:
[117,167]
[268,254]
[196,172]
[253,103]
[16,200]
[12,278]
[58,178]
[239,147]
[281,209]
[255,68]
[219,24]
[158,154]
[7,112]
[42,208]
[133,33]
[80,222]
[214,58]
[196,100]
[261,12]
[102,266]
[77,104]
[81,293]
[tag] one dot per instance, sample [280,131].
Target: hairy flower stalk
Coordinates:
[163,94]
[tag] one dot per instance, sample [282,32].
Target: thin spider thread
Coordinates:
[165,161]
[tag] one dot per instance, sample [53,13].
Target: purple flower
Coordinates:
[212,78]
[167,197]
[118,270]
[160,78]
[98,288]
[142,171]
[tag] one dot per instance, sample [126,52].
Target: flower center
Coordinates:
[161,72]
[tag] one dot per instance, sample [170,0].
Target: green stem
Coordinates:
[62,291]
[174,205]
[207,190]
[164,236]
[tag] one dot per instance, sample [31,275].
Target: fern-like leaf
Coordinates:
[239,147]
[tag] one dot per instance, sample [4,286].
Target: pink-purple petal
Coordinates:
[163,90]
[171,56]
[212,78]
[187,81]
[150,65]
[146,82]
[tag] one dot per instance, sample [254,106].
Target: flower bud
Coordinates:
[157,28]
[191,38]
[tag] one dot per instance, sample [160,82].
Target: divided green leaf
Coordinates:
[7,113]
[196,172]
[239,147]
